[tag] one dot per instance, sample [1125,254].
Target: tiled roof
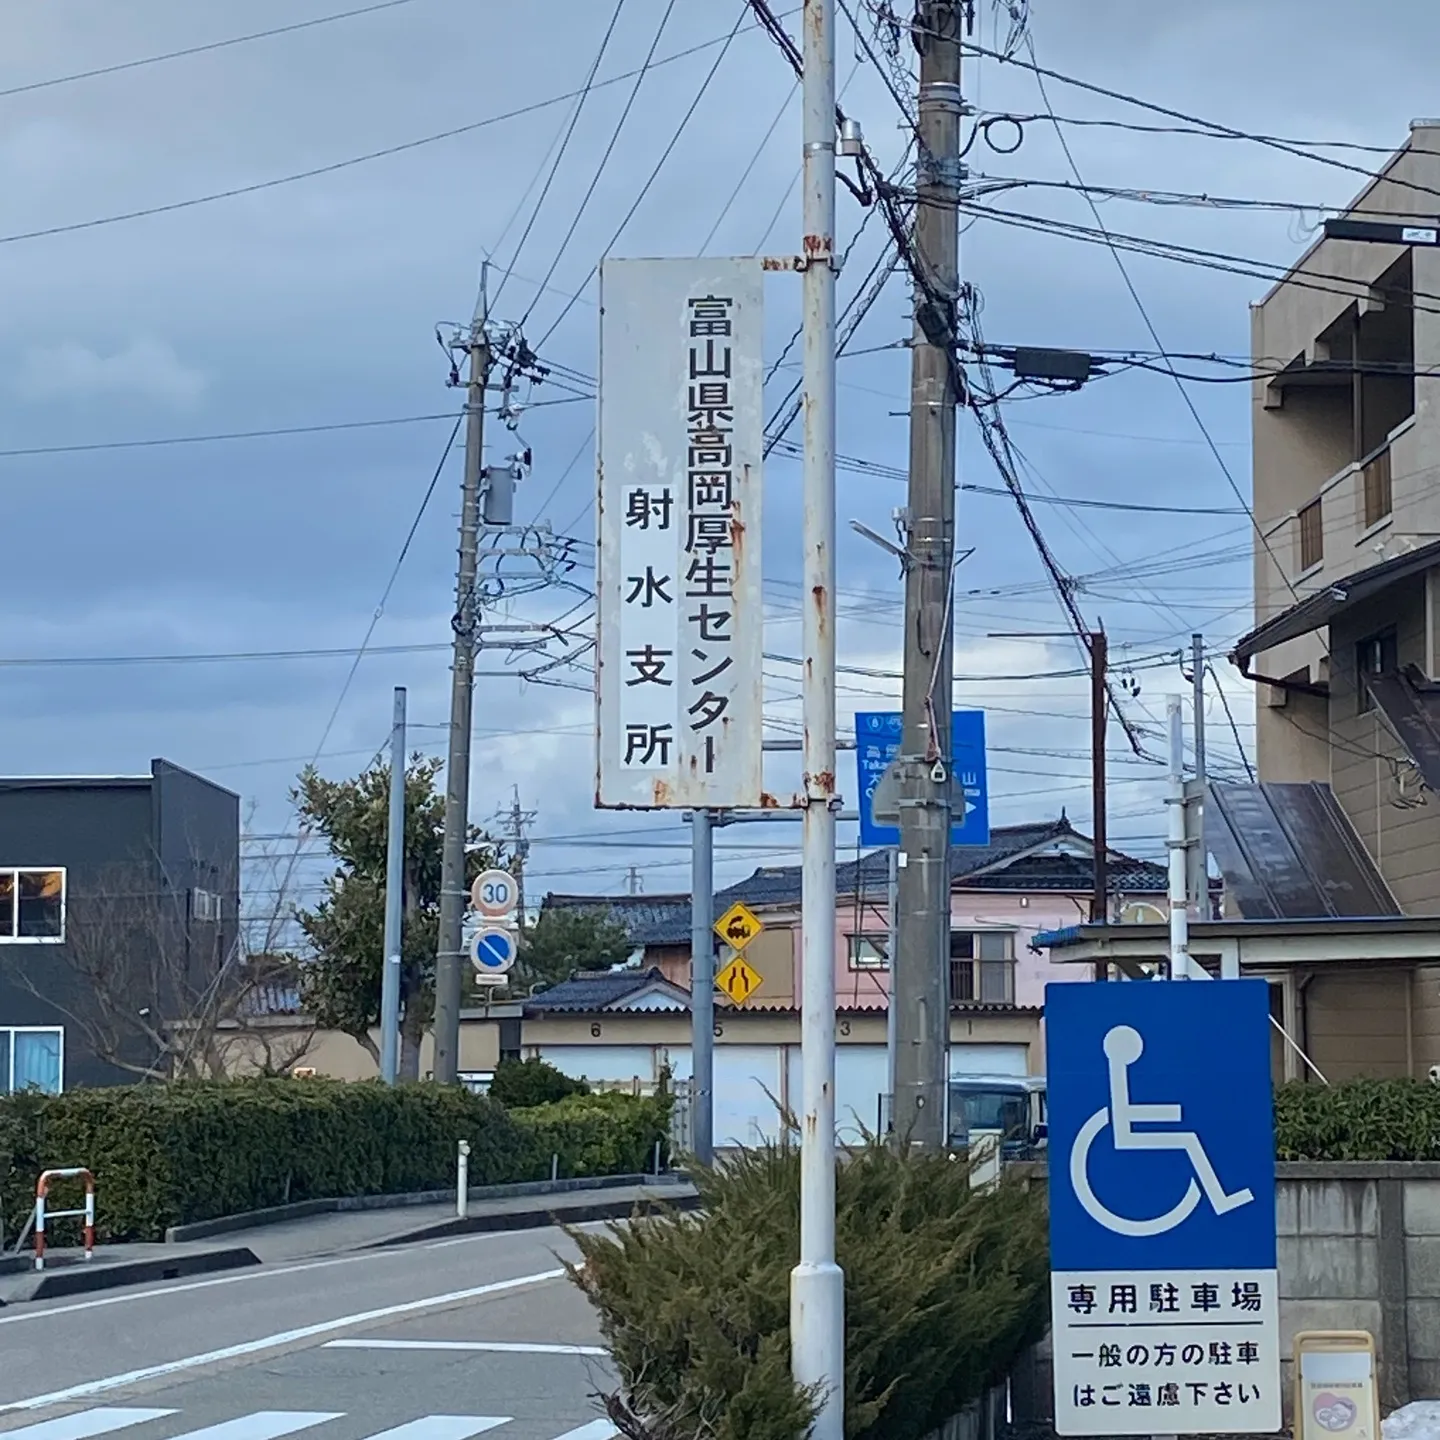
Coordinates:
[780,885]
[648,919]
[594,990]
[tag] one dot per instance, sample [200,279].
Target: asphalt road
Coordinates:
[441,1341]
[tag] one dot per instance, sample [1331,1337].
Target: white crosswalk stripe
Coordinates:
[264,1425]
[444,1427]
[88,1423]
[276,1424]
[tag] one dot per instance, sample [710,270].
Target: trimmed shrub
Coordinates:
[606,1134]
[520,1084]
[1358,1120]
[945,1287]
[171,1154]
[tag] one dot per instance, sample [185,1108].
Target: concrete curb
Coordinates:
[304,1209]
[81,1279]
[539,1217]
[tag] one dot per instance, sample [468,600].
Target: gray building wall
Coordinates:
[147,839]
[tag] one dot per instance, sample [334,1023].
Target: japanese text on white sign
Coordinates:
[679,685]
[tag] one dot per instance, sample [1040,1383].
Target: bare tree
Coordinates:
[156,986]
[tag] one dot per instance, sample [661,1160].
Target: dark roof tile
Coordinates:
[594,990]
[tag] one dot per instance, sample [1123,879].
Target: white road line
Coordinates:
[498,1347]
[255,1272]
[263,1425]
[595,1430]
[444,1427]
[87,1424]
[276,1341]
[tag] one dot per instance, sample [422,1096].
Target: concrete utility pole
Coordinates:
[449,958]
[516,821]
[1199,866]
[1099,644]
[1177,844]
[394,900]
[921,979]
[702,986]
[817,1285]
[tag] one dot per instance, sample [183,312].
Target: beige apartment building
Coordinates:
[1332,860]
[1346,421]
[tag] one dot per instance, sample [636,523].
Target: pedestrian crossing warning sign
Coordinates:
[739,980]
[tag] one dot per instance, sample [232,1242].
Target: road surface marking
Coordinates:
[595,1430]
[277,1341]
[88,1423]
[444,1427]
[255,1272]
[263,1425]
[499,1347]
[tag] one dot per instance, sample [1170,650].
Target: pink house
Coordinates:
[1030,878]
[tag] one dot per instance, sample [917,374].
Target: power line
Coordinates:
[1228,132]
[1150,324]
[200,49]
[609,149]
[659,165]
[564,145]
[337,165]
[156,441]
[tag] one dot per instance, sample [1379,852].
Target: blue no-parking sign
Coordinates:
[1162,1207]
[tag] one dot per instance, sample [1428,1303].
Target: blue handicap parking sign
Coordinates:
[1161,1125]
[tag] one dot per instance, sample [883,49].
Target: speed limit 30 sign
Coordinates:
[494,893]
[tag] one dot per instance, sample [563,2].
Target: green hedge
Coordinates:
[945,1287]
[606,1134]
[521,1084]
[171,1154]
[1358,1120]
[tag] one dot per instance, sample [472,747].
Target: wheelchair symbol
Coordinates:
[1123,1047]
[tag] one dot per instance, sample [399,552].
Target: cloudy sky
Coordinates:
[252,300]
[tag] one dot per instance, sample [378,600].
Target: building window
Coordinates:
[31,1059]
[1377,488]
[1312,535]
[982,966]
[32,907]
[869,952]
[1376,655]
[204,905]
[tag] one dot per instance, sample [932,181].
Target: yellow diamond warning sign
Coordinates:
[738,926]
[739,980]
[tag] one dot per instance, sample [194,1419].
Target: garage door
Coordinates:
[861,1077]
[744,1113]
[989,1059]
[602,1064]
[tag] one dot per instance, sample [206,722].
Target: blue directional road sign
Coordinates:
[877,743]
[1162,1207]
[492,952]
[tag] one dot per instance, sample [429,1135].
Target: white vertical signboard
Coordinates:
[679,686]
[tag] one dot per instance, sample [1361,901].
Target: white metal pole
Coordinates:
[394,895]
[462,1180]
[702,986]
[892,913]
[1176,843]
[817,1287]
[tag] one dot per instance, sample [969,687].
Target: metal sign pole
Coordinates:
[817,1286]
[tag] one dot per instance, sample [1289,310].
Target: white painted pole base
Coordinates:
[817,1342]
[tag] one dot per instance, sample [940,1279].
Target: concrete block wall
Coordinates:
[1359,1249]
